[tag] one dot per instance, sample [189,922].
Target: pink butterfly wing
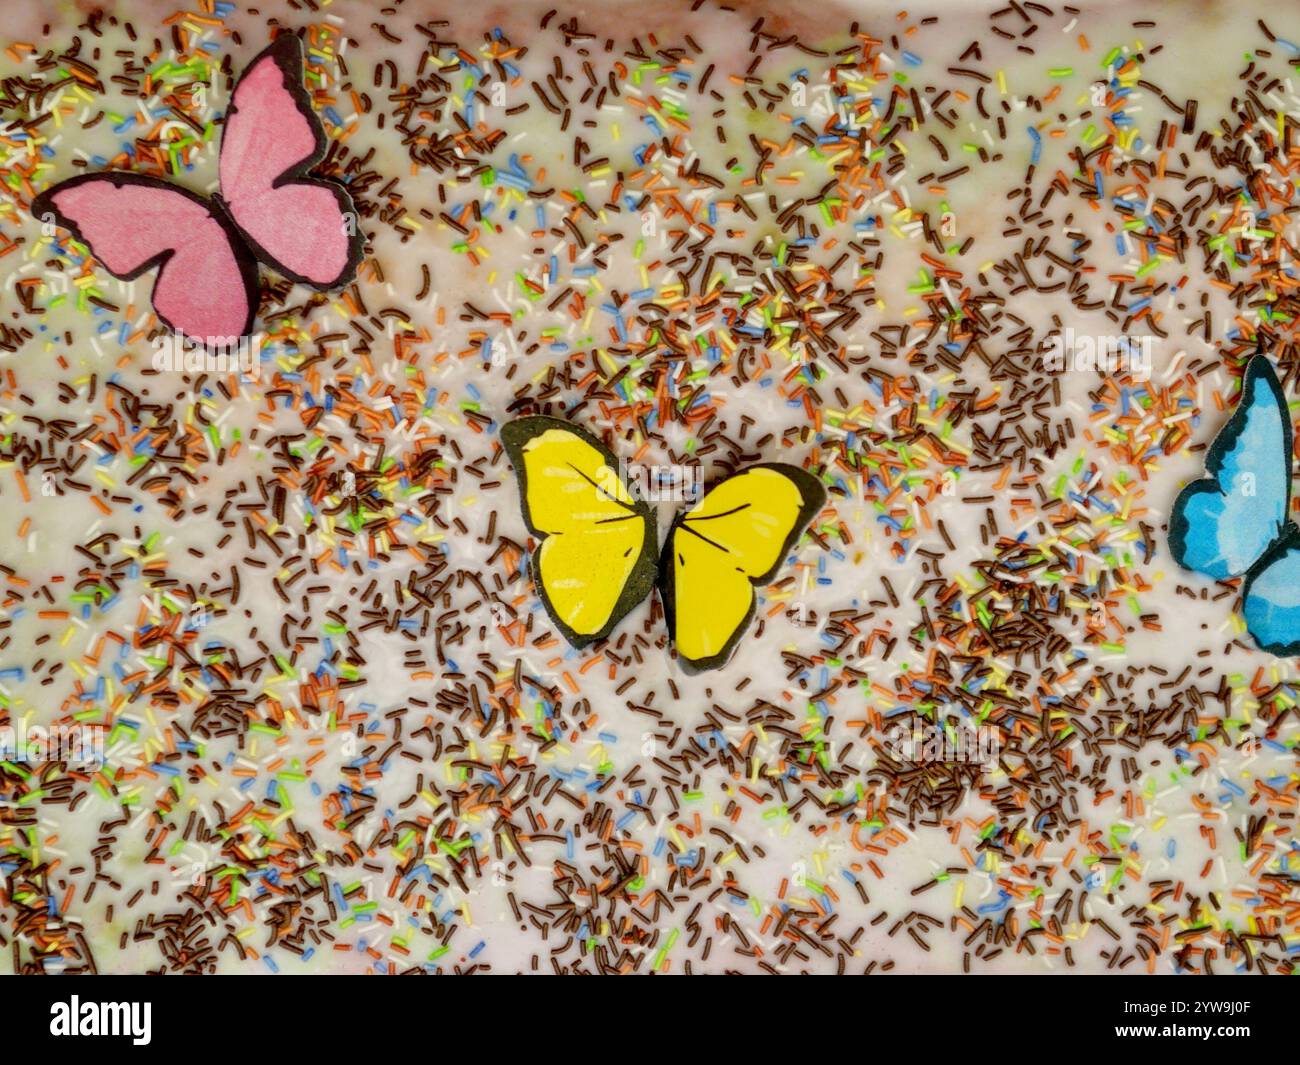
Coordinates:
[271,139]
[207,281]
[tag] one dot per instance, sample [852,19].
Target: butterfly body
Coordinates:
[598,556]
[1235,521]
[206,250]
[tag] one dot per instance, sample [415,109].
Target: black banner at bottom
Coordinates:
[147,1014]
[137,1015]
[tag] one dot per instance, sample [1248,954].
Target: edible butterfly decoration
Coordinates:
[1236,521]
[206,250]
[598,556]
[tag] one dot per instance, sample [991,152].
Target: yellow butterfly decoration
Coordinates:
[598,556]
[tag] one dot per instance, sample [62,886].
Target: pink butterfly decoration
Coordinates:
[206,251]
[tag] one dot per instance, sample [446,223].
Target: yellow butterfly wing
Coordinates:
[597,557]
[718,551]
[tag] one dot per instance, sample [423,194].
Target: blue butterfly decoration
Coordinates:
[1236,520]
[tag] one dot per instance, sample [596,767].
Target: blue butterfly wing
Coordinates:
[1222,524]
[1271,595]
